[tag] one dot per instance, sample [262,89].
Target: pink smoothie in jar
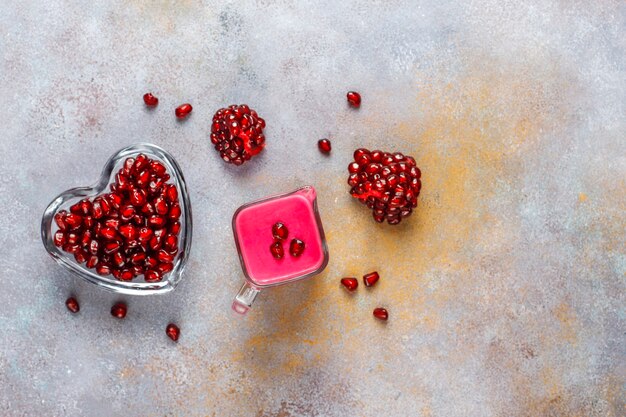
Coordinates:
[252,225]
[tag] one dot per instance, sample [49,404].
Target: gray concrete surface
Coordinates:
[505,288]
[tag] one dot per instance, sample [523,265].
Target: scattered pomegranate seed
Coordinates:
[183,110]
[381,314]
[280,231]
[172,331]
[296,247]
[387,183]
[371,279]
[324,146]
[131,231]
[150,100]
[72,305]
[237,133]
[354,99]
[119,310]
[277,250]
[350,284]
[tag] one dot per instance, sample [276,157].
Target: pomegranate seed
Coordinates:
[381,314]
[150,100]
[143,179]
[280,231]
[171,193]
[350,284]
[103,268]
[137,196]
[108,233]
[119,310]
[128,231]
[172,331]
[158,168]
[157,221]
[170,242]
[111,247]
[277,250]
[160,206]
[354,99]
[152,276]
[371,279]
[296,247]
[92,261]
[175,212]
[112,223]
[165,267]
[175,228]
[59,238]
[72,305]
[163,256]
[126,275]
[324,146]
[237,133]
[145,234]
[151,262]
[59,219]
[118,259]
[80,256]
[183,110]
[73,221]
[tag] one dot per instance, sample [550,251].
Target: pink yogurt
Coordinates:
[253,223]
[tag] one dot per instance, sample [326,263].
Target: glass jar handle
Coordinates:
[244,298]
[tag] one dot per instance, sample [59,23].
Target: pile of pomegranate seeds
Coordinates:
[387,183]
[72,305]
[183,110]
[350,284]
[150,100]
[324,146]
[280,234]
[371,279]
[132,230]
[381,314]
[237,133]
[172,331]
[119,310]
[354,99]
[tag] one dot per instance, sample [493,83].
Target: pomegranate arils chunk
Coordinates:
[350,284]
[387,183]
[324,146]
[119,310]
[381,314]
[296,247]
[172,331]
[72,305]
[280,231]
[277,250]
[354,99]
[237,133]
[150,100]
[371,279]
[183,110]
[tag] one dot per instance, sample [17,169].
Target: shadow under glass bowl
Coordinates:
[66,199]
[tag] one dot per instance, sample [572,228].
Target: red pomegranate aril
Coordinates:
[127,212]
[354,99]
[69,248]
[94,246]
[160,206]
[128,231]
[138,258]
[92,261]
[170,242]
[126,275]
[72,305]
[276,249]
[174,212]
[59,219]
[151,262]
[163,256]
[103,269]
[137,270]
[381,313]
[118,259]
[157,221]
[165,267]
[137,196]
[111,247]
[296,247]
[324,146]
[280,231]
[171,193]
[80,256]
[115,200]
[174,228]
[145,234]
[119,310]
[72,238]
[148,208]
[150,100]
[73,221]
[350,284]
[158,168]
[108,233]
[183,110]
[154,243]
[172,331]
[152,276]
[117,273]
[143,179]
[141,162]
[128,166]
[112,223]
[59,238]
[371,279]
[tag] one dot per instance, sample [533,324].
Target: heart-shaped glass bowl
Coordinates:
[72,196]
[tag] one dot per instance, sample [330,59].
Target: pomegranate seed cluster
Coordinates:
[237,133]
[280,234]
[370,279]
[131,231]
[387,183]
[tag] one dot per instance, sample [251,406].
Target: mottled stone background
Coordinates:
[506,288]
